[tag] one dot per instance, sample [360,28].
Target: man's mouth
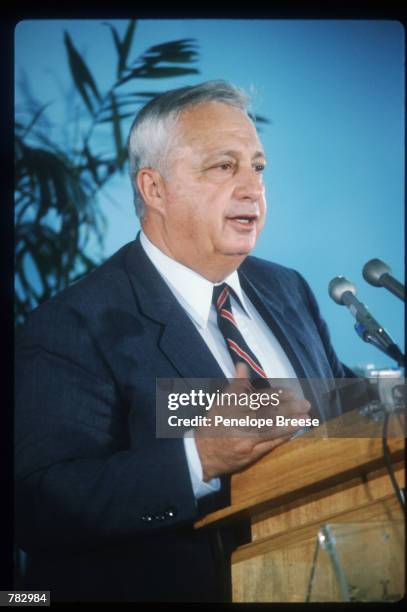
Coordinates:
[244,220]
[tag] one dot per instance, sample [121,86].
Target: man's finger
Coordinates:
[241,380]
[241,370]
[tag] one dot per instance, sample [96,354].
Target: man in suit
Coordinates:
[104,508]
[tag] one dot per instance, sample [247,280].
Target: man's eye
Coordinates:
[260,167]
[224,166]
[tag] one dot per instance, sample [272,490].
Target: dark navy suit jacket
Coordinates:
[104,509]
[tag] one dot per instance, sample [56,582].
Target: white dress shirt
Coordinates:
[194,293]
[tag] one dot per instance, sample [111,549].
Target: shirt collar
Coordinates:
[192,290]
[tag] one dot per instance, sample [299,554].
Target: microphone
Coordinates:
[343,292]
[378,274]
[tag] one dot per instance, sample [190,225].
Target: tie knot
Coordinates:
[220,295]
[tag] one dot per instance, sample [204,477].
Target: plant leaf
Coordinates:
[109,119]
[174,44]
[116,37]
[260,119]
[127,42]
[122,46]
[92,164]
[117,132]
[174,57]
[147,94]
[170,71]
[158,73]
[35,118]
[81,74]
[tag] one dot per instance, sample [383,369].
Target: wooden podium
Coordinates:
[302,485]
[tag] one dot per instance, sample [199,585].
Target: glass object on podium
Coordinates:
[358,562]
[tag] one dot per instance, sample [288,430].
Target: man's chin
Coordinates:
[238,254]
[238,249]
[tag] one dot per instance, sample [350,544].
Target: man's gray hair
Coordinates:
[152,132]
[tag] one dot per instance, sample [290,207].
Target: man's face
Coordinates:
[214,204]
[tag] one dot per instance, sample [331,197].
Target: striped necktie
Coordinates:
[238,348]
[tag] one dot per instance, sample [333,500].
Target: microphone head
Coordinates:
[374,270]
[338,286]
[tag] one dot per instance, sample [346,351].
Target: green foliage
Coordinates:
[56,197]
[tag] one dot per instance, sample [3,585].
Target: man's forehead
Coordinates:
[214,124]
[208,114]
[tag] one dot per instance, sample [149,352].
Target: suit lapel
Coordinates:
[186,349]
[180,341]
[293,340]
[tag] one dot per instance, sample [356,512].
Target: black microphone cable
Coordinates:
[387,460]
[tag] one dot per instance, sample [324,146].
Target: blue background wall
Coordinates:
[334,91]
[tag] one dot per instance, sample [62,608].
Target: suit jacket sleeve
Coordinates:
[85,476]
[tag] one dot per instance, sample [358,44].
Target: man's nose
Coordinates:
[249,185]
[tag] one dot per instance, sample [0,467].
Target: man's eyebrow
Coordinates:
[232,153]
[259,154]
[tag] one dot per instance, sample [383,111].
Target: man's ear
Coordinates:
[151,187]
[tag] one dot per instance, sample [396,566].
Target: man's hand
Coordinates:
[225,453]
